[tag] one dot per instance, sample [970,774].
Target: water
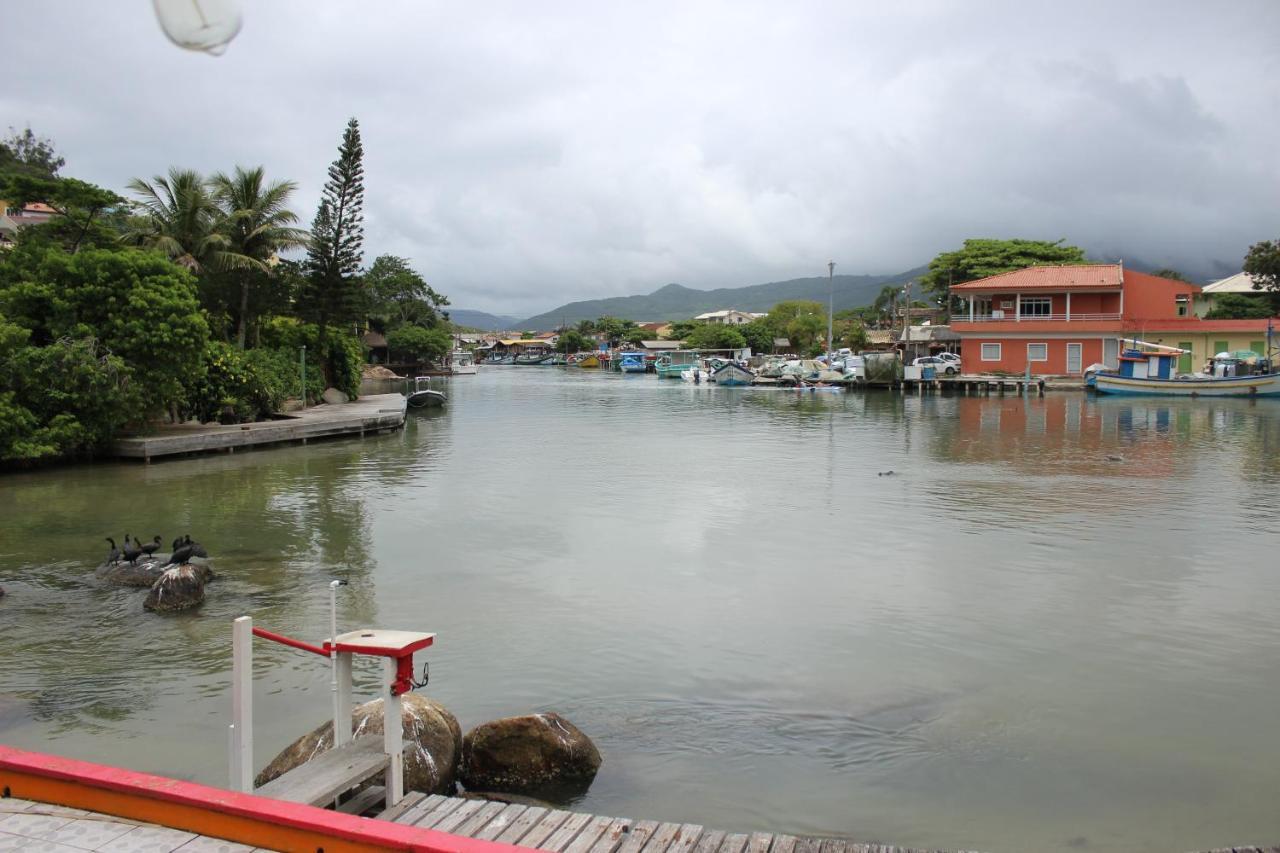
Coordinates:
[1011,643]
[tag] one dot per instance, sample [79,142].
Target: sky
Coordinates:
[526,154]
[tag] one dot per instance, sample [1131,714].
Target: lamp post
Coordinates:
[831,302]
[302,361]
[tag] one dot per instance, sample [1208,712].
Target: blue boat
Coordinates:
[631,362]
[1150,370]
[731,375]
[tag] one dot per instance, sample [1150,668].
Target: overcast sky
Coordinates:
[523,154]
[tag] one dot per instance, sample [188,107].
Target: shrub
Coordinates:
[343,361]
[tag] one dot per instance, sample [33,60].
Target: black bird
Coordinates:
[180,555]
[177,543]
[131,551]
[197,550]
[114,556]
[151,547]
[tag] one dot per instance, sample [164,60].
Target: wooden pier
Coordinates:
[540,828]
[373,414]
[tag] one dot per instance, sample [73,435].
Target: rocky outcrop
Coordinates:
[148,570]
[179,588]
[333,396]
[433,743]
[534,753]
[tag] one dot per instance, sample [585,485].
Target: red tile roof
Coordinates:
[1084,276]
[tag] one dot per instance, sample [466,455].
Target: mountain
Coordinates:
[481,320]
[676,302]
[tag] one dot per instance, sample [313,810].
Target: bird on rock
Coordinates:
[151,547]
[180,555]
[131,551]
[113,556]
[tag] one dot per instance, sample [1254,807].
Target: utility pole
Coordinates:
[831,303]
[906,320]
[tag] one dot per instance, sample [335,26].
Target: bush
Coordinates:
[715,336]
[344,359]
[240,385]
[419,344]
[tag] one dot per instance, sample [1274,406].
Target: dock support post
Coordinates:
[242,705]
[342,701]
[392,736]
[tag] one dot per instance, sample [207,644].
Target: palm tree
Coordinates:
[257,225]
[179,219]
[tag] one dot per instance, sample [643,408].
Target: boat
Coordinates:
[423,396]
[500,358]
[631,362]
[1150,369]
[671,364]
[732,374]
[588,360]
[462,363]
[532,358]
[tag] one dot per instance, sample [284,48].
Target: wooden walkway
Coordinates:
[373,414]
[574,832]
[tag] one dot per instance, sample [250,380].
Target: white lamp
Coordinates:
[204,25]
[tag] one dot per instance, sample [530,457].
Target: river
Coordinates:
[1012,642]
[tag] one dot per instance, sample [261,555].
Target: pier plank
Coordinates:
[411,799]
[480,819]
[807,845]
[501,821]
[672,838]
[613,835]
[759,842]
[783,844]
[709,842]
[321,779]
[567,832]
[417,811]
[544,828]
[520,827]
[734,843]
[637,835]
[589,835]
[456,817]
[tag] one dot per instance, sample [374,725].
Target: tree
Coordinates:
[1166,272]
[980,258]
[337,237]
[398,295]
[850,332]
[419,344]
[29,155]
[81,208]
[614,330]
[572,341]
[180,219]
[682,329]
[1263,263]
[715,336]
[1240,306]
[759,334]
[257,224]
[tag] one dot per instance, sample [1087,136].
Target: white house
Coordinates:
[1241,282]
[728,317]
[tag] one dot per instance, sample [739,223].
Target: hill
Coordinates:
[481,320]
[676,302]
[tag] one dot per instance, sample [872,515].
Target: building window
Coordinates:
[1182,306]
[990,352]
[1036,306]
[1037,352]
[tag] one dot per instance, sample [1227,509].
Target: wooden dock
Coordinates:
[540,828]
[373,414]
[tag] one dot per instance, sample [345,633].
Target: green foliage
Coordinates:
[82,210]
[572,341]
[759,335]
[337,239]
[137,305]
[710,336]
[1166,272]
[1263,263]
[635,337]
[850,332]
[980,258]
[615,331]
[398,295]
[341,360]
[27,154]
[180,220]
[239,386]
[803,321]
[415,343]
[682,329]
[1240,306]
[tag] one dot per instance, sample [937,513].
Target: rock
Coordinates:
[431,733]
[333,396]
[533,753]
[179,588]
[148,570]
[1,592]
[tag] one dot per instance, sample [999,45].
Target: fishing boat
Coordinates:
[462,363]
[731,374]
[631,362]
[423,396]
[588,360]
[671,364]
[532,358]
[1150,369]
[500,358]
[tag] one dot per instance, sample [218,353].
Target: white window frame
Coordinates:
[1038,301]
[1040,344]
[999,352]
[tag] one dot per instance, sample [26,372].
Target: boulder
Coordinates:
[333,396]
[179,588]
[535,753]
[432,736]
[148,570]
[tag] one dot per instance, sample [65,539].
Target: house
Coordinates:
[1058,320]
[1241,282]
[882,339]
[13,218]
[661,346]
[728,317]
[927,340]
[781,345]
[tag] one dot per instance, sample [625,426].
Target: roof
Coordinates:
[1241,282]
[882,336]
[1077,277]
[782,342]
[374,339]
[929,333]
[510,342]
[663,345]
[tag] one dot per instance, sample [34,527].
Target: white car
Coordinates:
[949,356]
[941,365]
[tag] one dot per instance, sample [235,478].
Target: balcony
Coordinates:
[1009,317]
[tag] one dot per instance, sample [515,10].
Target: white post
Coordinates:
[1068,305]
[392,736]
[1017,308]
[971,301]
[341,709]
[242,705]
[342,704]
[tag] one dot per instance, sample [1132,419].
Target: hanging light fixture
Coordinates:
[204,25]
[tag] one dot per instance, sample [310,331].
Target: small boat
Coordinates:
[588,360]
[631,362]
[423,396]
[731,374]
[532,358]
[462,363]
[671,364]
[500,358]
[1149,369]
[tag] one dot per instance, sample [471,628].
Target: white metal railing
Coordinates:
[1009,316]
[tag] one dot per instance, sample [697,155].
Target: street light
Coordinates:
[831,302]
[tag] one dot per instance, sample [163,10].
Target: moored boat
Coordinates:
[423,396]
[731,374]
[461,363]
[588,360]
[671,364]
[532,358]
[1150,370]
[631,362]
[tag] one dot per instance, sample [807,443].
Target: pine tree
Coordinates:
[337,241]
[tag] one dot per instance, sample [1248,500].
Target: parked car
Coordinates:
[941,365]
[951,357]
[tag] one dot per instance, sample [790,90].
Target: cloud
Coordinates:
[528,154]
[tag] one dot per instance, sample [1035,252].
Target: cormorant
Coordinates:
[131,551]
[151,547]
[114,556]
[180,555]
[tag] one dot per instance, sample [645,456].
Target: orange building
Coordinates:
[1058,320]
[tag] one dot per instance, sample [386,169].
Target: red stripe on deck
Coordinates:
[245,818]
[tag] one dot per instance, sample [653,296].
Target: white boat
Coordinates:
[1150,370]
[731,374]
[461,363]
[423,396]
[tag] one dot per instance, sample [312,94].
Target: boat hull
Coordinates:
[1235,386]
[732,376]
[589,361]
